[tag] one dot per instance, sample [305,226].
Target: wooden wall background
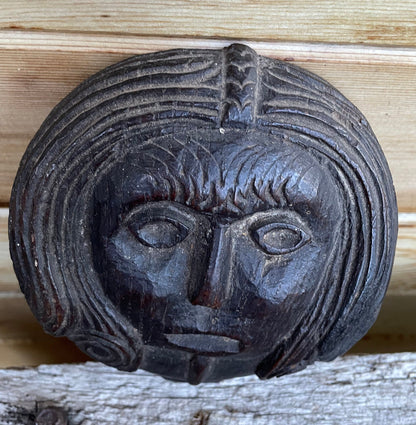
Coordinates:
[365,48]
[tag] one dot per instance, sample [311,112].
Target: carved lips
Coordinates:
[205,343]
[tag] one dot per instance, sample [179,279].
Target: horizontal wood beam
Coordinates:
[129,44]
[331,21]
[372,389]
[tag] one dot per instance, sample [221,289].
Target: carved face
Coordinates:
[204,214]
[214,247]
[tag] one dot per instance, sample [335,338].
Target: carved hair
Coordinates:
[147,97]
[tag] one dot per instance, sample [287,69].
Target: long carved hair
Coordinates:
[143,98]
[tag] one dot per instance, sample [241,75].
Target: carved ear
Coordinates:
[113,349]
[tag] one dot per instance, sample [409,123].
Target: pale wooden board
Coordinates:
[404,270]
[39,69]
[8,281]
[23,343]
[332,21]
[359,390]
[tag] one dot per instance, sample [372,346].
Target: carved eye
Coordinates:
[159,233]
[279,238]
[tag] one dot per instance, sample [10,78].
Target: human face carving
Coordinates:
[204,214]
[206,285]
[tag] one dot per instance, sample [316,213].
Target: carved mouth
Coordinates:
[205,343]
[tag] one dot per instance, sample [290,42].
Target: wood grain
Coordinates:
[8,281]
[39,69]
[331,21]
[45,51]
[23,343]
[372,389]
[22,340]
[62,41]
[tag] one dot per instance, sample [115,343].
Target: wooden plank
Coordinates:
[394,329]
[23,343]
[355,21]
[8,281]
[39,69]
[373,389]
[128,44]
[22,340]
[403,281]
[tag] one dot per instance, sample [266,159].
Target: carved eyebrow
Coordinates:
[279,196]
[247,151]
[186,176]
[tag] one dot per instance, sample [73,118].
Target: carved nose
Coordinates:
[214,283]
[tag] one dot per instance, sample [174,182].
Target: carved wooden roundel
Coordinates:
[205,214]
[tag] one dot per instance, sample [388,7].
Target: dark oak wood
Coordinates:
[205,214]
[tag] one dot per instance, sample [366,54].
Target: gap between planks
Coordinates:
[128,44]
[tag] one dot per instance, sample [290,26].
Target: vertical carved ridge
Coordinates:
[240,85]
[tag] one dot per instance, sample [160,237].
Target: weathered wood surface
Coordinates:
[372,389]
[39,69]
[332,21]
